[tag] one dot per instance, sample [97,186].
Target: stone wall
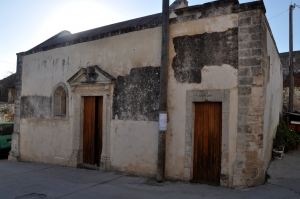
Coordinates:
[136,95]
[191,55]
[6,112]
[260,98]
[15,144]
[248,167]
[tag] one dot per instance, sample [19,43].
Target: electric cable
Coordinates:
[279,14]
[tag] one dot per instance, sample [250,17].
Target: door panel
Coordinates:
[89,130]
[207,142]
[92,130]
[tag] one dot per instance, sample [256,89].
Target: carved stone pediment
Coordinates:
[90,75]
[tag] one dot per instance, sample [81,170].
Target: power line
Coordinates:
[279,14]
[284,11]
[6,62]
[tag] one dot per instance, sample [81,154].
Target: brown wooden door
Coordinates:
[92,130]
[207,142]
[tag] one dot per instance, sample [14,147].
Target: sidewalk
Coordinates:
[40,181]
[286,172]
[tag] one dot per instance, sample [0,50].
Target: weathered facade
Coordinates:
[107,78]
[284,57]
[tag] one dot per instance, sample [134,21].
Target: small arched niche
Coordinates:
[60,100]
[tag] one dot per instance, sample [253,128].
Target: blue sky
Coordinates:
[25,24]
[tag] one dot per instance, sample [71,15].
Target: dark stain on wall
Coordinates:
[35,107]
[136,96]
[196,51]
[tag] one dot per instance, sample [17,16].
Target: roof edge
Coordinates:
[295,51]
[101,35]
[81,37]
[237,7]
[205,6]
[60,34]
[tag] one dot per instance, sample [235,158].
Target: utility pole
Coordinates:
[291,69]
[163,93]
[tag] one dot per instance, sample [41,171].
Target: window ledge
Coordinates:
[60,117]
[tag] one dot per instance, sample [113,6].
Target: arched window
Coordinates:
[59,101]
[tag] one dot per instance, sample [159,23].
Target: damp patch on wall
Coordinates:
[136,96]
[35,107]
[208,49]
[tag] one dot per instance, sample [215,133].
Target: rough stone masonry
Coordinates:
[248,167]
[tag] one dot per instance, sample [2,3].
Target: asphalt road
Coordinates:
[23,180]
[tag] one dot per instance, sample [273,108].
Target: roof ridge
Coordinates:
[60,34]
[60,40]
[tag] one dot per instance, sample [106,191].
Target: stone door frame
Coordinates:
[207,96]
[79,92]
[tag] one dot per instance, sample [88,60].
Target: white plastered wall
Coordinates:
[56,141]
[222,77]
[133,144]
[273,97]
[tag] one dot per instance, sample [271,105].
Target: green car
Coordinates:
[6,129]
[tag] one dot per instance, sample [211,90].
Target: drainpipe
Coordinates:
[291,69]
[163,93]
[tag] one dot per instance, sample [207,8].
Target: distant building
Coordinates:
[7,98]
[92,98]
[7,89]
[284,57]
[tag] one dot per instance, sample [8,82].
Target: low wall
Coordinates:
[7,112]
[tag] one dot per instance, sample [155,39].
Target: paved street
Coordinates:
[38,181]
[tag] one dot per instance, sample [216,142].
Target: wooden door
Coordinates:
[92,130]
[207,142]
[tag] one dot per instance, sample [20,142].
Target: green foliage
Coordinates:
[285,137]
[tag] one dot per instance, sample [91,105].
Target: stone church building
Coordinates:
[92,98]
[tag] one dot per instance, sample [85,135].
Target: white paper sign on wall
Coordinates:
[163,122]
